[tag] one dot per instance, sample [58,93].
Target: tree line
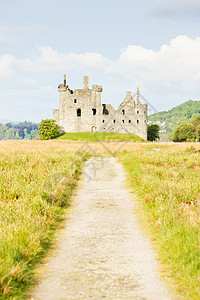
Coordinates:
[188,132]
[19,131]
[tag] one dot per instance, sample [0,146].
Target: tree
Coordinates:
[34,134]
[197,133]
[184,133]
[195,122]
[48,129]
[153,132]
[27,135]
[10,134]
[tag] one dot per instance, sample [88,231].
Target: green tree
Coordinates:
[197,133]
[195,122]
[153,132]
[34,133]
[48,129]
[184,133]
[27,136]
[2,131]
[17,136]
[10,134]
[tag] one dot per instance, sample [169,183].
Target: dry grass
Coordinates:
[98,148]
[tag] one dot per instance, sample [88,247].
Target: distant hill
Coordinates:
[171,119]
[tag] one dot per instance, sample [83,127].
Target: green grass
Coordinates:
[35,190]
[168,188]
[100,136]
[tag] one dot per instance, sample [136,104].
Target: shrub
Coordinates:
[48,129]
[153,132]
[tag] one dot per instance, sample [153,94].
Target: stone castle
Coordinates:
[81,111]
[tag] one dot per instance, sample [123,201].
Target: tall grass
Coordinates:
[37,179]
[168,188]
[35,188]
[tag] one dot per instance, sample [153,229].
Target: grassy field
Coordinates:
[167,183]
[37,179]
[35,188]
[100,137]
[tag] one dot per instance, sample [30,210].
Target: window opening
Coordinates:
[113,121]
[94,111]
[78,112]
[122,121]
[129,121]
[123,112]
[75,101]
[138,112]
[137,121]
[105,111]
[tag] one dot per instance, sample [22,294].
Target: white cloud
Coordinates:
[51,60]
[171,73]
[6,65]
[178,61]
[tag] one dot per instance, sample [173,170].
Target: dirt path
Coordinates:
[102,252]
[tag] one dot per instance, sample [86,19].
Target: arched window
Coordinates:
[78,112]
[103,121]
[138,121]
[129,121]
[113,121]
[123,112]
[94,111]
[122,121]
[138,112]
[75,101]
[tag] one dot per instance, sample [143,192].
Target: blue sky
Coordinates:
[119,44]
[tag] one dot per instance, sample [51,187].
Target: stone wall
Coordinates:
[81,111]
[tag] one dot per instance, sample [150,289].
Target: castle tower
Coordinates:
[85,82]
[65,81]
[138,95]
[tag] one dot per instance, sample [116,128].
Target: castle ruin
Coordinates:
[81,111]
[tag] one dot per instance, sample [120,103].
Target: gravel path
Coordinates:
[102,253]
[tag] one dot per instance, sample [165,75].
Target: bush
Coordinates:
[48,129]
[153,132]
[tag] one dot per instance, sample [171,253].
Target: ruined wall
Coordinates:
[81,111]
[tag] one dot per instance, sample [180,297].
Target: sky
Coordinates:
[119,44]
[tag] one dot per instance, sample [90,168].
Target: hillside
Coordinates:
[171,119]
[100,137]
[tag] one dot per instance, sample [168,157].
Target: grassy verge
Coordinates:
[35,188]
[168,188]
[100,136]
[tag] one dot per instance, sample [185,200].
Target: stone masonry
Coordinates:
[81,111]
